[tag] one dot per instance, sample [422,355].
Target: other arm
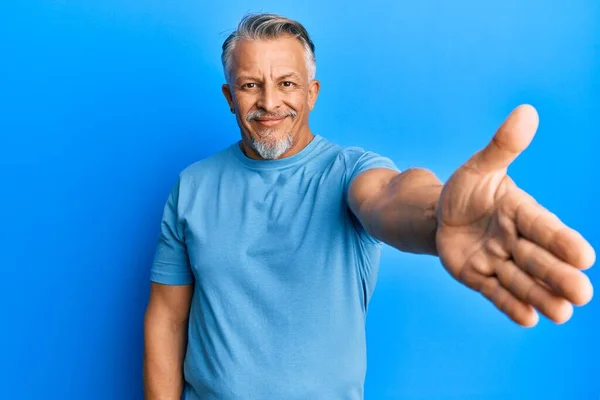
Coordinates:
[490,235]
[398,208]
[165,340]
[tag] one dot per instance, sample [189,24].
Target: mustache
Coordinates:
[264,114]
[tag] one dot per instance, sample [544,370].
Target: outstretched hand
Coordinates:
[496,239]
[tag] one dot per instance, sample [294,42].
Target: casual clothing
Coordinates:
[282,272]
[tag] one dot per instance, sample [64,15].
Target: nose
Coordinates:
[270,99]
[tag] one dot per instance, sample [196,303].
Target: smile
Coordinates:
[270,121]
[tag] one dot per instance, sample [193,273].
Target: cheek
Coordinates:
[241,108]
[243,103]
[298,103]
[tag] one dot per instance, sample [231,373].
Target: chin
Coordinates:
[272,146]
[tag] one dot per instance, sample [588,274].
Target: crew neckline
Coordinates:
[274,164]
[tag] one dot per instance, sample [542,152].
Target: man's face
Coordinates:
[271,94]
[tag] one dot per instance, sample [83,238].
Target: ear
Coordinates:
[228,96]
[313,92]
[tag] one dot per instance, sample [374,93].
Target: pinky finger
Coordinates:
[518,311]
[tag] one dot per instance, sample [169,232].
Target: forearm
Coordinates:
[404,214]
[164,350]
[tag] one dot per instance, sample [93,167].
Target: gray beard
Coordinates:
[269,148]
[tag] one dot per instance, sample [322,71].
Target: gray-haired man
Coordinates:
[269,249]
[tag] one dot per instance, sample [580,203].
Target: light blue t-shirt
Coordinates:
[282,271]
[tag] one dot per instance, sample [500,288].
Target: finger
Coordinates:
[544,228]
[517,310]
[561,278]
[513,136]
[520,312]
[523,287]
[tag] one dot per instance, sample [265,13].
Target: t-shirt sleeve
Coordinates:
[357,162]
[171,264]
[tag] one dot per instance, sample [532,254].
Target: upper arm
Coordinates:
[366,173]
[365,189]
[172,280]
[171,264]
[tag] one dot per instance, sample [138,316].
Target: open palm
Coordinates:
[496,239]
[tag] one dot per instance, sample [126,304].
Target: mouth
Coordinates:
[269,122]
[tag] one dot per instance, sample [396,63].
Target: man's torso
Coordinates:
[283,275]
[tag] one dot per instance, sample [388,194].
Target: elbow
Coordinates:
[421,175]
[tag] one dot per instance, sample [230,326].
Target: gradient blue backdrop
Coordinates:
[102,103]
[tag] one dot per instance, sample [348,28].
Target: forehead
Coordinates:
[266,57]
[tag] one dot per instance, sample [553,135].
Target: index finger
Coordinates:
[539,225]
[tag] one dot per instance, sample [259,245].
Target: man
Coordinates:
[269,249]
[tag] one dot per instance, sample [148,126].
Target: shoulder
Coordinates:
[347,155]
[352,160]
[201,173]
[214,162]
[357,159]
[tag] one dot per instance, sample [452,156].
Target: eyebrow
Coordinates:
[253,78]
[245,77]
[290,75]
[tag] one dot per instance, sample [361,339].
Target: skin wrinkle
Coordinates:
[485,213]
[504,226]
[531,286]
[518,211]
[543,240]
[527,258]
[528,292]
[504,241]
[478,249]
[511,281]
[500,296]
[278,73]
[469,260]
[554,240]
[488,233]
[508,279]
[542,271]
[489,227]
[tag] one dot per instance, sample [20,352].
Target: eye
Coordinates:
[249,85]
[288,83]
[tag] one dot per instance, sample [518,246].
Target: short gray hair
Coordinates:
[264,27]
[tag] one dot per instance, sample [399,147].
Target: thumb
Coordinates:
[513,136]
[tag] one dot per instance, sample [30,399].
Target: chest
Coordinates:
[275,224]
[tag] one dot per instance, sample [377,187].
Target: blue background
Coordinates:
[103,103]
